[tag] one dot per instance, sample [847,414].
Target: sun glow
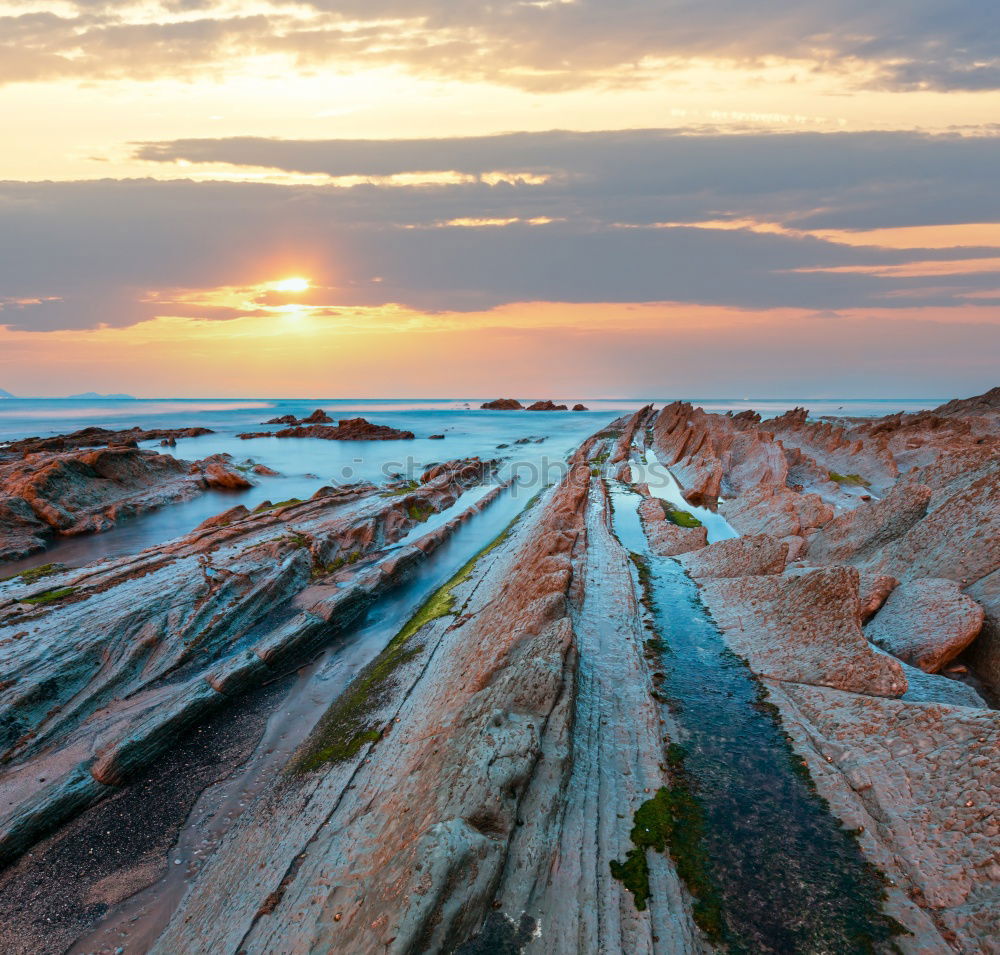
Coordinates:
[293,284]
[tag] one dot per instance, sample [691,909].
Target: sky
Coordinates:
[443,198]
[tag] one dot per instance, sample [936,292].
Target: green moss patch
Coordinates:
[856,480]
[418,510]
[679,517]
[50,596]
[408,488]
[673,819]
[36,573]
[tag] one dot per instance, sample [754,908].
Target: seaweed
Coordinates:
[50,596]
[853,479]
[351,721]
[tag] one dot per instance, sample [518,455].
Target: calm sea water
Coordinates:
[305,465]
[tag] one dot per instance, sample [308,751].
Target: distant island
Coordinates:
[5,394]
[94,394]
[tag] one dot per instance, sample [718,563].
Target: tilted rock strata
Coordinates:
[926,622]
[76,492]
[181,628]
[804,628]
[752,556]
[455,816]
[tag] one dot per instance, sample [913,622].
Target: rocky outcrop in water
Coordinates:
[96,438]
[546,405]
[183,628]
[347,429]
[47,493]
[502,404]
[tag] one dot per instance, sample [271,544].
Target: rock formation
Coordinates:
[47,493]
[926,622]
[518,768]
[347,429]
[96,438]
[503,404]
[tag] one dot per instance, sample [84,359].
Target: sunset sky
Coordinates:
[443,198]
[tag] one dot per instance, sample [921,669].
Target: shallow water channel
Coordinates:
[786,876]
[134,925]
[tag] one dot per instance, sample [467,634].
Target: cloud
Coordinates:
[822,180]
[620,217]
[897,44]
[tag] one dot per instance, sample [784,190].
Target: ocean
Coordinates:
[304,465]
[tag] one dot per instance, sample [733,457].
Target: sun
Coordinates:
[294,284]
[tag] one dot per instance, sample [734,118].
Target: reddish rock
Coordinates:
[926,622]
[319,416]
[918,783]
[221,474]
[804,628]
[546,406]
[264,470]
[756,555]
[80,491]
[96,438]
[348,429]
[874,589]
[435,437]
[284,419]
[984,404]
[665,538]
[859,535]
[225,518]
[711,454]
[579,407]
[503,404]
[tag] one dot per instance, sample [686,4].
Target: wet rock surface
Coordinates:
[96,438]
[545,756]
[49,493]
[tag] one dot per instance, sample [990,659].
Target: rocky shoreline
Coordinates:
[87,481]
[532,763]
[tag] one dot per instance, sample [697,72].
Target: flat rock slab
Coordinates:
[922,780]
[803,628]
[926,622]
[752,556]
